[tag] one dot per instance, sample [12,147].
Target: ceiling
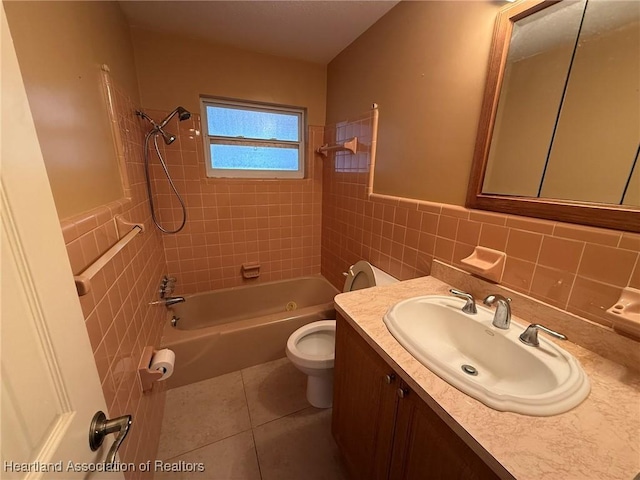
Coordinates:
[314,31]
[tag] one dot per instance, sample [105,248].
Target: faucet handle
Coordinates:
[530,335]
[166,286]
[470,306]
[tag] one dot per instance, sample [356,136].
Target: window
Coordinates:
[253,140]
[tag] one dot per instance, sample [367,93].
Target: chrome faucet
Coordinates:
[502,317]
[470,306]
[168,301]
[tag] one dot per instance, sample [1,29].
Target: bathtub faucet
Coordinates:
[168,301]
[173,300]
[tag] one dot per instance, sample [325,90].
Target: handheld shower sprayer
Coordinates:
[169,138]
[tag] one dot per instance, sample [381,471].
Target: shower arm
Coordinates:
[159,128]
[168,119]
[140,113]
[183,113]
[156,126]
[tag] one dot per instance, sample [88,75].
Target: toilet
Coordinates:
[311,348]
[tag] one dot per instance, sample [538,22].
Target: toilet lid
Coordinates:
[364,275]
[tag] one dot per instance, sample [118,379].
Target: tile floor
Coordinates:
[254,424]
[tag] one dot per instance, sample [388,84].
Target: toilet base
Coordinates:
[320,390]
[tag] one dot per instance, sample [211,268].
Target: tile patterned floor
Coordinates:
[254,424]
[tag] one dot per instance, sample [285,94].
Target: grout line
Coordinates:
[575,278]
[204,445]
[506,242]
[255,449]
[246,399]
[634,269]
[536,264]
[288,415]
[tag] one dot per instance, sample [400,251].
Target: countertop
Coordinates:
[598,439]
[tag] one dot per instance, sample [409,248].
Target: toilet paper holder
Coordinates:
[147,376]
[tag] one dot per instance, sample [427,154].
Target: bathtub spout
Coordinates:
[168,301]
[173,300]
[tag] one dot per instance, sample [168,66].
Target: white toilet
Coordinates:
[311,348]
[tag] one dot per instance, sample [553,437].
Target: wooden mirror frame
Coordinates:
[596,214]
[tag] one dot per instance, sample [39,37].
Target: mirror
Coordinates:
[560,127]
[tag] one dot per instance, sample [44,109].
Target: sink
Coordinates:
[488,364]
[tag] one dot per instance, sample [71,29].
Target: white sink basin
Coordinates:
[509,376]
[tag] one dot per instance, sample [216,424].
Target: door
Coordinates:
[425,446]
[364,405]
[50,386]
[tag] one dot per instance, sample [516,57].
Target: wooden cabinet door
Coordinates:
[426,448]
[364,405]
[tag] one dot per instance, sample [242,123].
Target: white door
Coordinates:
[50,384]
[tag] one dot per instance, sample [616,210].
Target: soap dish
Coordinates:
[486,263]
[250,270]
[625,314]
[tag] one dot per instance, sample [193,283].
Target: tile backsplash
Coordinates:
[234,221]
[575,268]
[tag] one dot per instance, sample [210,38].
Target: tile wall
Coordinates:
[235,221]
[575,268]
[118,317]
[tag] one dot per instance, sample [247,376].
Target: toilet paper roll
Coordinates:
[164,360]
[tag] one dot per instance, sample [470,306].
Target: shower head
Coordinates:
[169,138]
[183,114]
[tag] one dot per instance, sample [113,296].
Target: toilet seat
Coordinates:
[318,350]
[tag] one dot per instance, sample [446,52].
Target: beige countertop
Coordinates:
[599,439]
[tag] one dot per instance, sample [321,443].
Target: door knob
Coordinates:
[101,427]
[390,377]
[403,392]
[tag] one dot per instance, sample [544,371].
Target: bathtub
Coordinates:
[226,330]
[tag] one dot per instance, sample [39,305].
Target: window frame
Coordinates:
[248,105]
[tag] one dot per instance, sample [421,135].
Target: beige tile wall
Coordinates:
[119,319]
[578,269]
[234,221]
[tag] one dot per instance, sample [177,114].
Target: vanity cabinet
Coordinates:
[386,431]
[364,405]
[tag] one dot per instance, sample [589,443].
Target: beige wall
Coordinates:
[176,70]
[425,64]
[60,47]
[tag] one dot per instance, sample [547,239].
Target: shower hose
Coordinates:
[154,133]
